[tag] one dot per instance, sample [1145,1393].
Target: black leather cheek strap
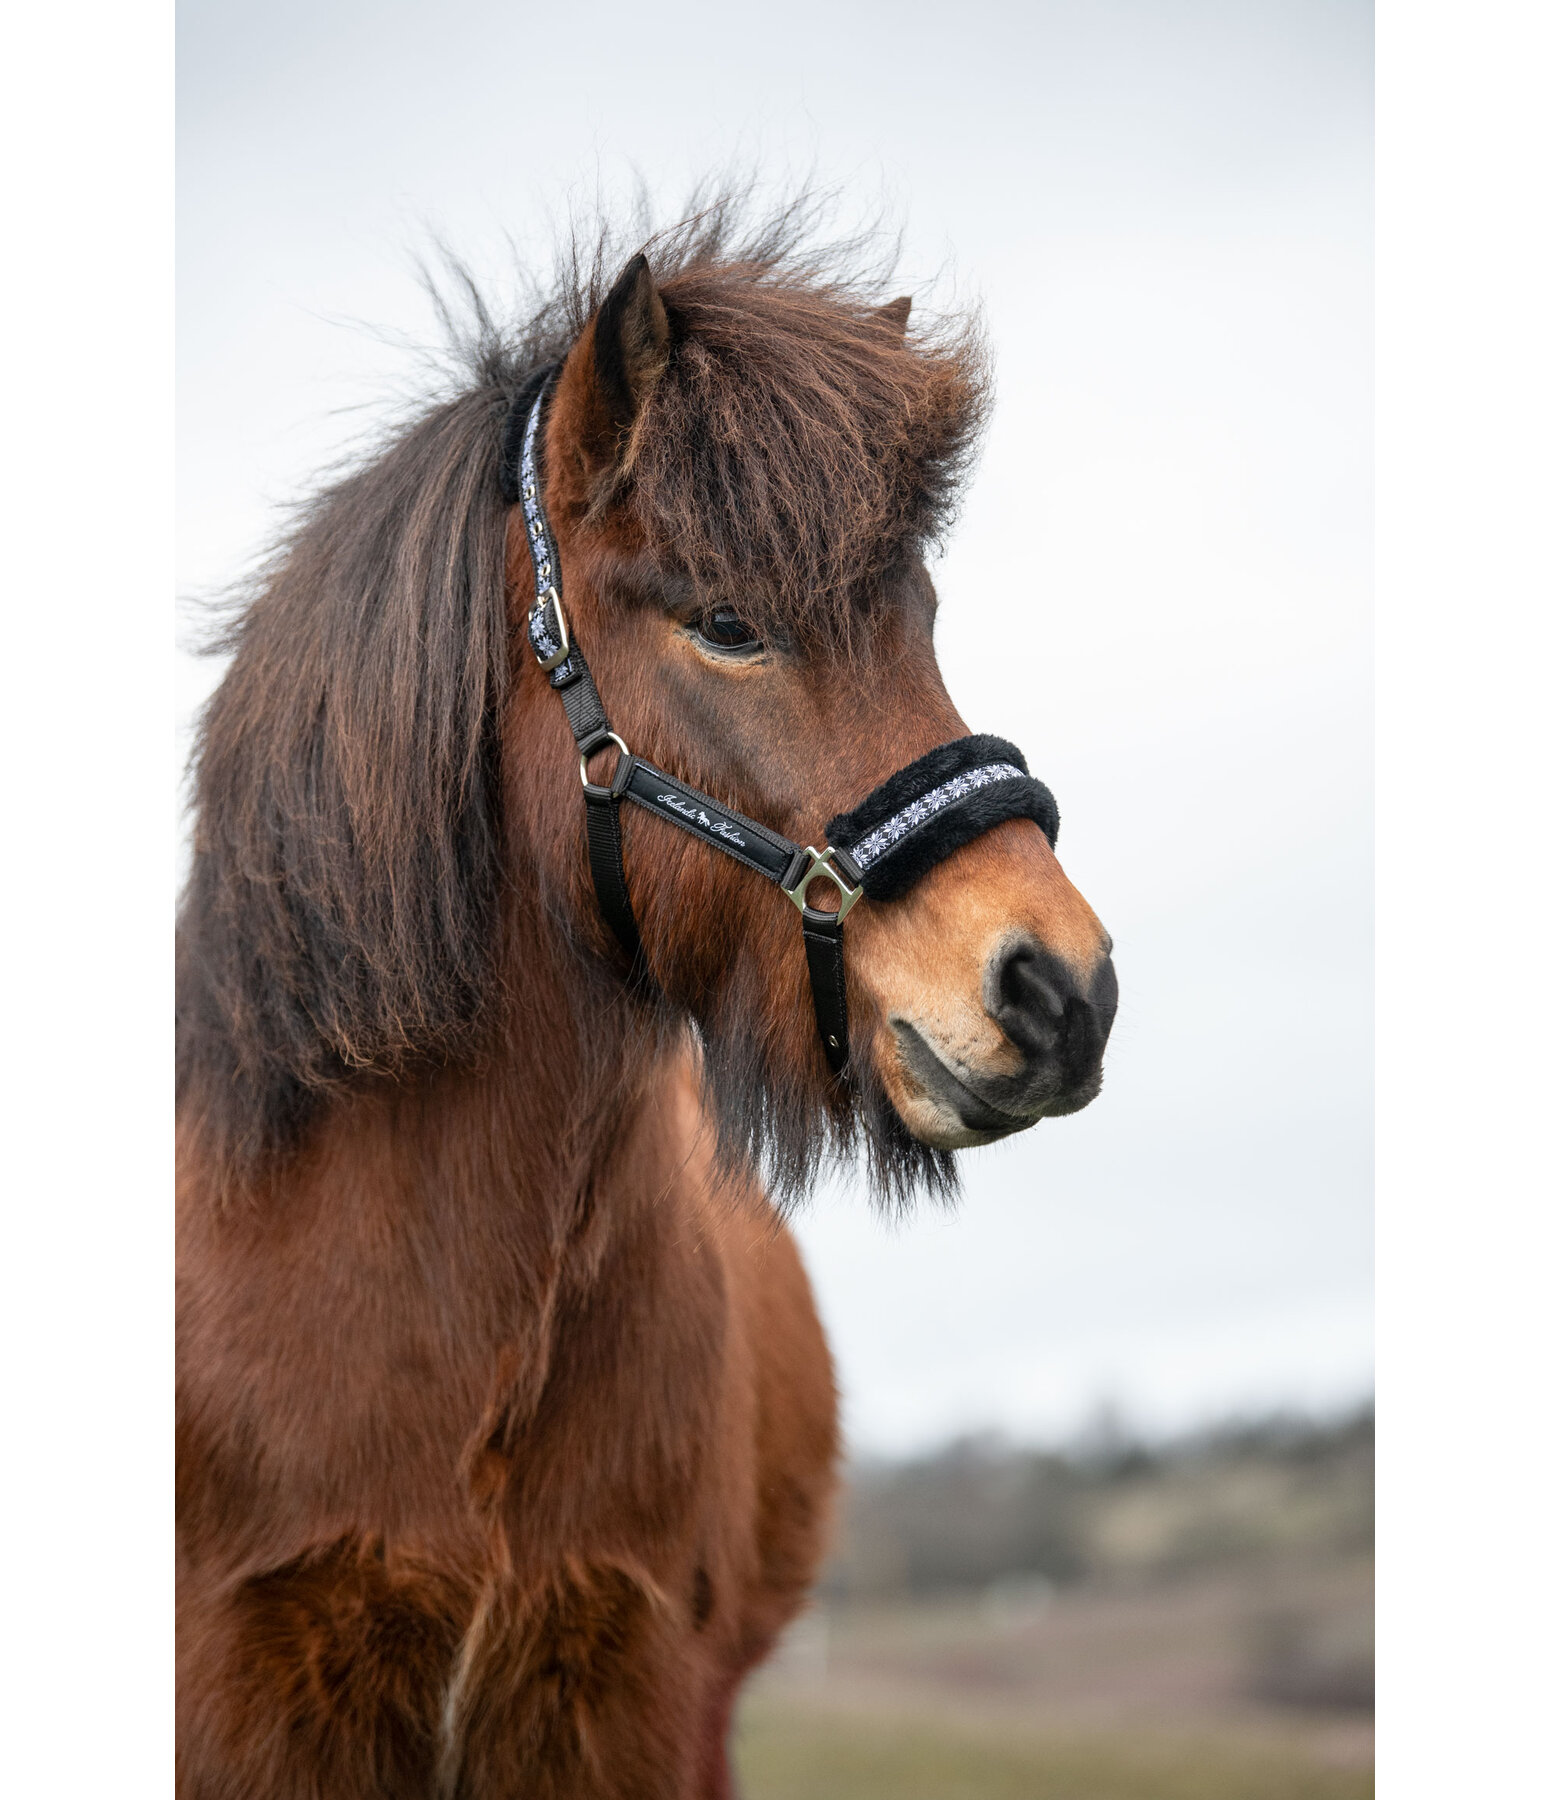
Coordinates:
[713,823]
[823,937]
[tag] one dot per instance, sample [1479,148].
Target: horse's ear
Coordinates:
[896,314]
[624,362]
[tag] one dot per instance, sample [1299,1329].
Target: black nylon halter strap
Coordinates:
[902,829]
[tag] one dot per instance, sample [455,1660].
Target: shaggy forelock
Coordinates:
[797,450]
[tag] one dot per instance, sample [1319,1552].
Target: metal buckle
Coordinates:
[624,756]
[823,867]
[546,663]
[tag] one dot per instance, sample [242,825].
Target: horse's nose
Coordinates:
[1057,1017]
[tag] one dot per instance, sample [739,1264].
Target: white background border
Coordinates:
[1463,396]
[86,138]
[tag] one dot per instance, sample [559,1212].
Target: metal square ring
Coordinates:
[823,867]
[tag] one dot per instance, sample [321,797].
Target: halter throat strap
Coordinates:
[901,830]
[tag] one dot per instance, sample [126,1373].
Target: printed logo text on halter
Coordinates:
[719,826]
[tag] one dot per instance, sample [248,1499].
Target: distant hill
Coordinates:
[1108,1510]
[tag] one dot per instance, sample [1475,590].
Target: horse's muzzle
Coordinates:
[1057,1021]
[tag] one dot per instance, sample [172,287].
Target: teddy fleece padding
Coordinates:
[958,823]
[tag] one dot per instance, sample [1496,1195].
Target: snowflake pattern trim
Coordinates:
[879,842]
[539,635]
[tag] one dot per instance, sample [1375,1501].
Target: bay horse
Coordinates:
[506,1426]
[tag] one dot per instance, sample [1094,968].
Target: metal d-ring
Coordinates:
[611,737]
[823,868]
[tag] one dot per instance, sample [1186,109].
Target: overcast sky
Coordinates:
[1159,586]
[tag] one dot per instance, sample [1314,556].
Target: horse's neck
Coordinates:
[422,1252]
[578,1114]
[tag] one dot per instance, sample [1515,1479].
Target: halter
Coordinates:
[915,819]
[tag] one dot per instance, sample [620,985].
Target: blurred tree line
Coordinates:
[1108,1508]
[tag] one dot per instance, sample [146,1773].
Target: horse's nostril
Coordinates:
[1025,987]
[1058,1019]
[1028,999]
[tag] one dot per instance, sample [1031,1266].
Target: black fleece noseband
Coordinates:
[915,819]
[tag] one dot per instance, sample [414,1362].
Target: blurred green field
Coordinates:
[1191,1622]
[791,1752]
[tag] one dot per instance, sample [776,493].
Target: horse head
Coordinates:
[741,482]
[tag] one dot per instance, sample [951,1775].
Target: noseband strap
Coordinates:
[915,819]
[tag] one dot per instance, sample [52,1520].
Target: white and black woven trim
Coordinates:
[541,628]
[877,843]
[943,800]
[538,538]
[541,624]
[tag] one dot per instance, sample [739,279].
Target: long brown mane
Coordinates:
[343,921]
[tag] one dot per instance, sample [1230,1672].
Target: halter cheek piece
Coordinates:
[917,818]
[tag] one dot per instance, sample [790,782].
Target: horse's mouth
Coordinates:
[956,1109]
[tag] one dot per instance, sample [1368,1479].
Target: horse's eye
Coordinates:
[724,630]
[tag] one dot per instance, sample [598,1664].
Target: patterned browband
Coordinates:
[914,820]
